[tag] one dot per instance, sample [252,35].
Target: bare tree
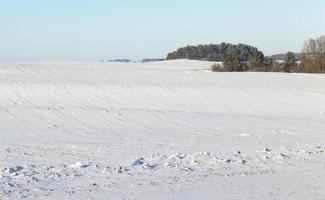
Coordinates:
[313,56]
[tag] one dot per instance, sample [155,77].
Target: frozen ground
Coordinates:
[165,130]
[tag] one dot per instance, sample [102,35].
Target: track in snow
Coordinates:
[111,130]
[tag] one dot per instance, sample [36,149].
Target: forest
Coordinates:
[214,52]
[243,57]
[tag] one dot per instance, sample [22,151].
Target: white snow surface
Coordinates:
[161,130]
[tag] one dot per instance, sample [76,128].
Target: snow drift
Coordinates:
[81,130]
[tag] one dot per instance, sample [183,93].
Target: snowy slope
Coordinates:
[163,130]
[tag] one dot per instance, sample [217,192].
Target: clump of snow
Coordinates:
[79,165]
[14,170]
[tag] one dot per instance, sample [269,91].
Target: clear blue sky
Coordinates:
[105,29]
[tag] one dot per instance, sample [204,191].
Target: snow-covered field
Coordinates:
[163,130]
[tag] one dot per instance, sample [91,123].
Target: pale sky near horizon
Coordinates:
[135,29]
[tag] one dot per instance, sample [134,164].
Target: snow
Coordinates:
[163,130]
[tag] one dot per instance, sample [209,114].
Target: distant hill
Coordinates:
[120,60]
[152,60]
[282,56]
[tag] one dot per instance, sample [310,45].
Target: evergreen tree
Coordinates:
[290,62]
[232,63]
[257,61]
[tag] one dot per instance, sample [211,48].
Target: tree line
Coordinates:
[214,52]
[242,57]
